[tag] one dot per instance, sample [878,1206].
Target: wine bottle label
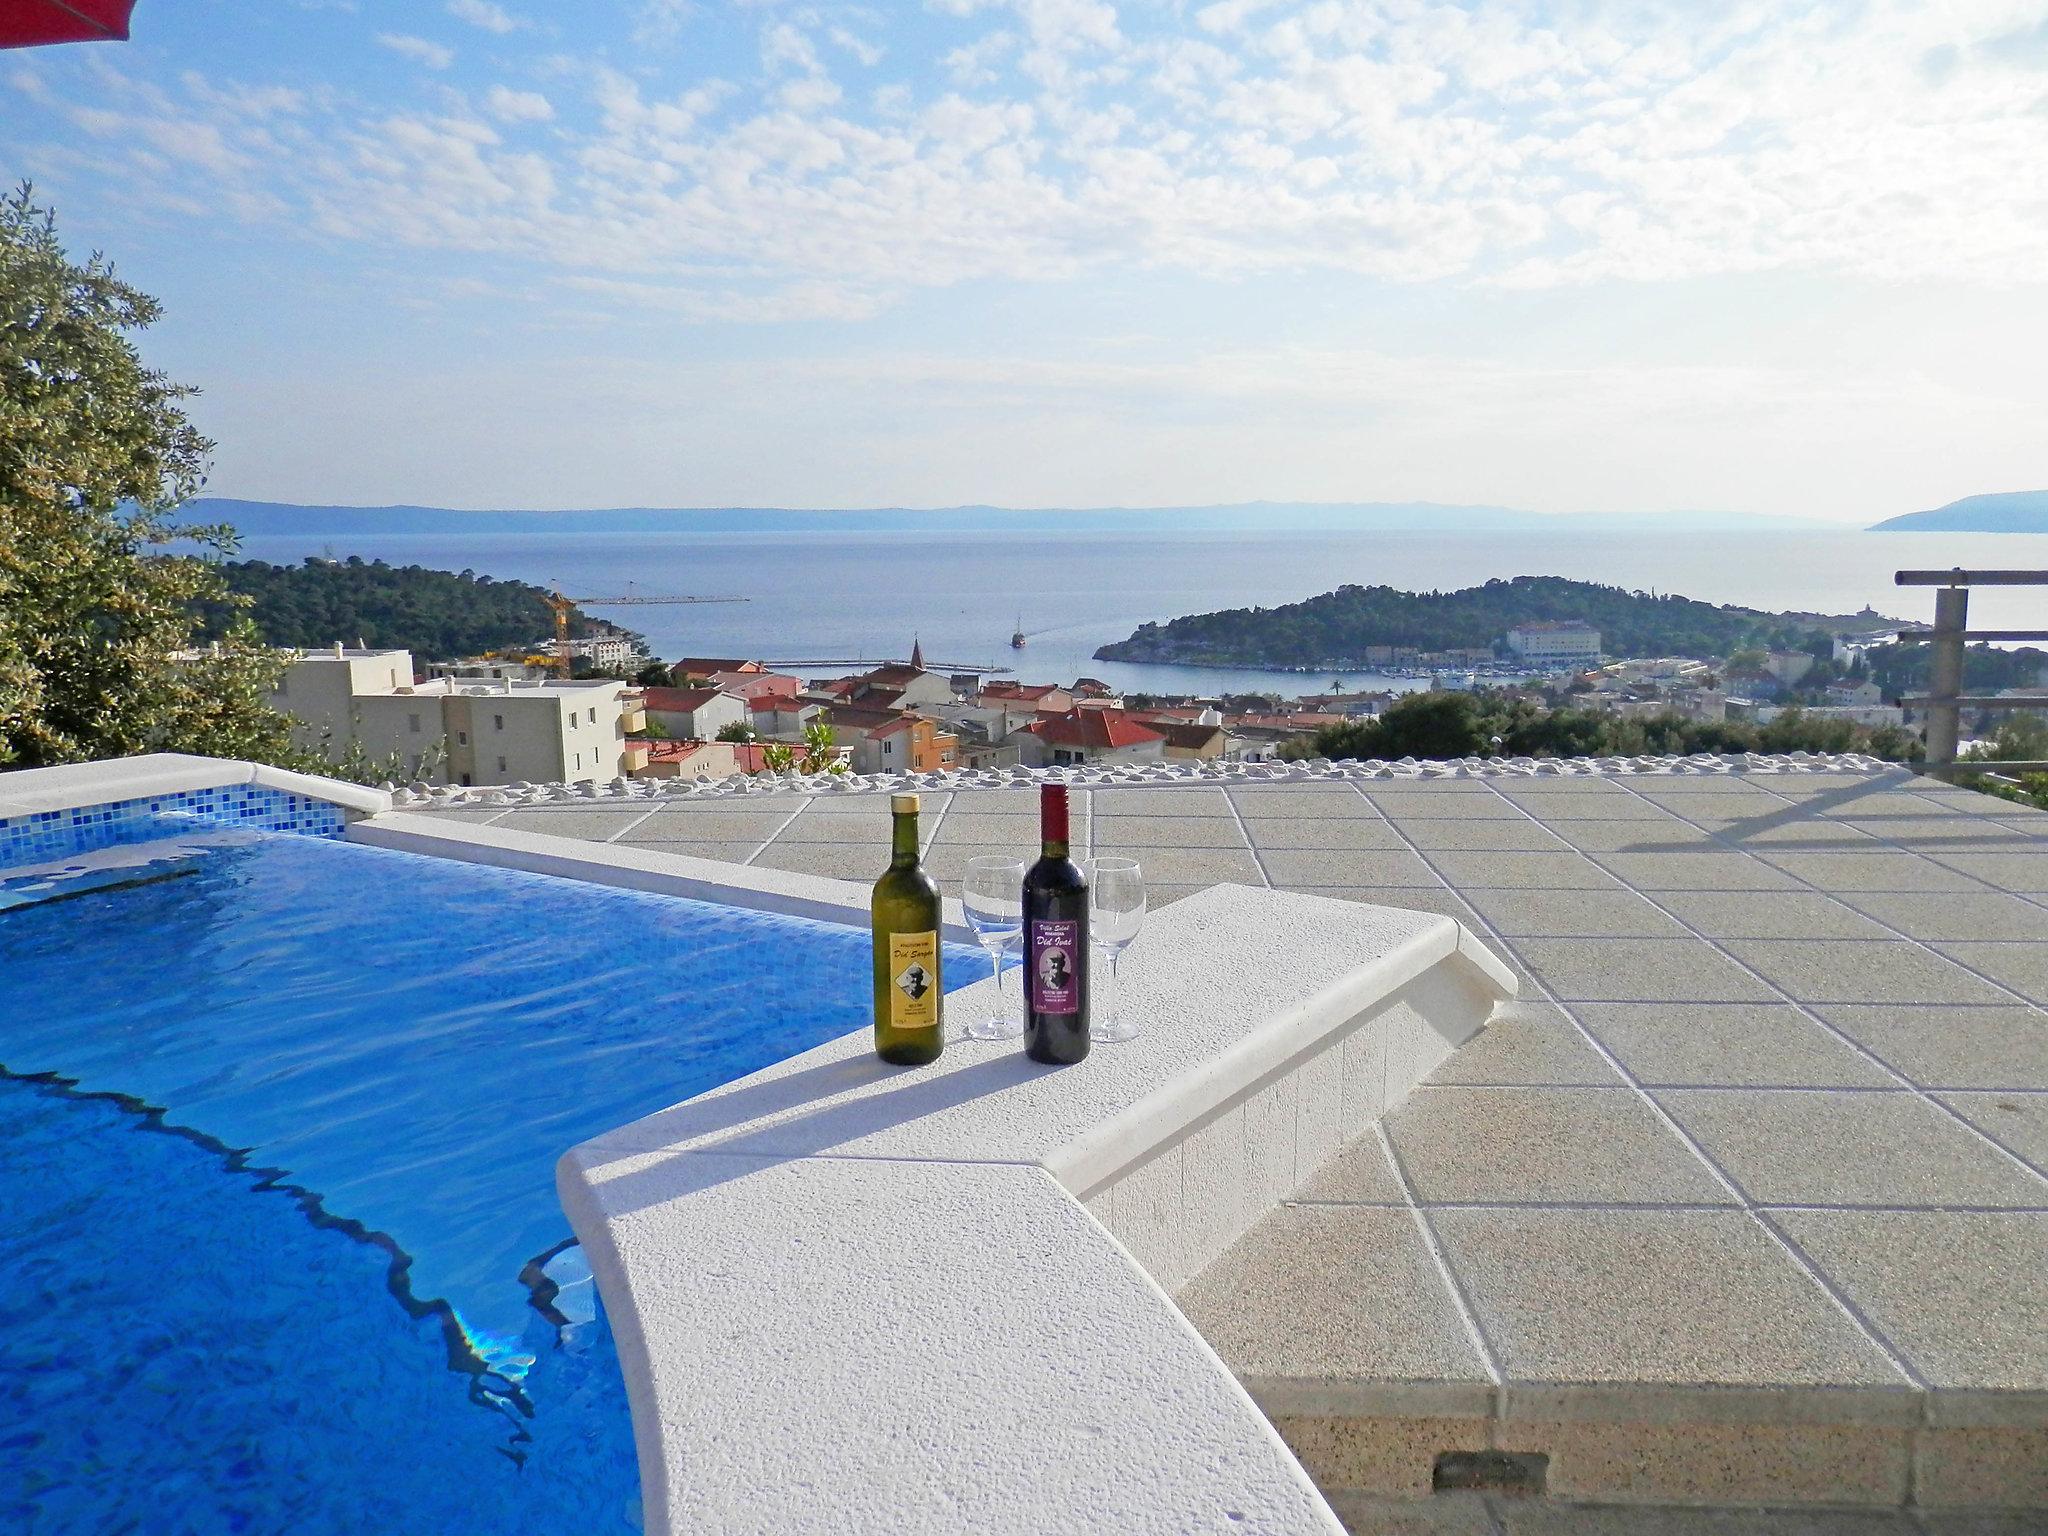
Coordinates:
[1054,986]
[914,980]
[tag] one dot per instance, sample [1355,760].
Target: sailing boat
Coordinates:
[1017,639]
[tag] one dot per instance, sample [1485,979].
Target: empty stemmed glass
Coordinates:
[992,895]
[1116,911]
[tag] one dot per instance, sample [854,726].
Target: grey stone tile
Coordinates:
[1651,1296]
[723,852]
[1443,1514]
[873,829]
[1826,1147]
[1158,895]
[1961,1294]
[573,822]
[1523,871]
[1549,1517]
[1639,970]
[1954,914]
[1770,915]
[1582,914]
[930,803]
[1711,868]
[1407,898]
[1167,832]
[1347,866]
[1526,1043]
[1884,805]
[1439,802]
[1950,1047]
[1980,1522]
[2015,1120]
[838,861]
[1160,802]
[1948,834]
[1358,1175]
[1522,1144]
[1022,801]
[1665,836]
[464,813]
[1762,1045]
[2022,966]
[1861,971]
[1189,866]
[1360,1300]
[1482,836]
[1330,832]
[2006,871]
[1800,833]
[1875,871]
[678,826]
[1548,805]
[1275,802]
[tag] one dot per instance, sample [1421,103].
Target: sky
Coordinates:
[1571,256]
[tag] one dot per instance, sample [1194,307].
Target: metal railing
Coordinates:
[1945,700]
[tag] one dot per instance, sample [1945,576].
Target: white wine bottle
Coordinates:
[909,1001]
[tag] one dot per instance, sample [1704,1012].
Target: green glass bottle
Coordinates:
[909,1011]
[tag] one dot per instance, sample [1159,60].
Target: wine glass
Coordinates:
[992,895]
[1116,911]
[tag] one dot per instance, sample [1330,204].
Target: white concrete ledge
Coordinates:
[852,1298]
[30,791]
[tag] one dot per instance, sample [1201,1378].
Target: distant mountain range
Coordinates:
[270,519]
[2003,512]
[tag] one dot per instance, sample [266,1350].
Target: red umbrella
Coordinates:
[27,23]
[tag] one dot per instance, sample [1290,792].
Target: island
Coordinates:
[2001,512]
[1348,629]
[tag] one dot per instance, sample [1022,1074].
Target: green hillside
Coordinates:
[1333,630]
[437,615]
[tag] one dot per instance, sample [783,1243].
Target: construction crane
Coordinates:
[564,606]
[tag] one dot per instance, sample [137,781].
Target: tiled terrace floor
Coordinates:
[1772,1112]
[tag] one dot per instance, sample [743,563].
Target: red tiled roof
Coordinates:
[1093,728]
[672,751]
[681,701]
[1024,691]
[704,666]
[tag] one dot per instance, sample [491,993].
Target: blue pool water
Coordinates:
[278,1120]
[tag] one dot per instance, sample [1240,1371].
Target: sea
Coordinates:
[823,603]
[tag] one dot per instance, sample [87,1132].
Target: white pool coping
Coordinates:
[31,791]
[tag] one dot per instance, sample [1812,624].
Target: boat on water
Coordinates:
[1017,638]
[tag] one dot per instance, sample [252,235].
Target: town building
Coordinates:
[490,669]
[755,686]
[1191,742]
[1089,736]
[1559,642]
[702,761]
[695,714]
[701,669]
[784,719]
[1788,667]
[892,740]
[452,731]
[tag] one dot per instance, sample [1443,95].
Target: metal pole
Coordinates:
[1945,678]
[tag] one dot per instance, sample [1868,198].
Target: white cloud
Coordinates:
[484,14]
[1040,140]
[419,49]
[510,106]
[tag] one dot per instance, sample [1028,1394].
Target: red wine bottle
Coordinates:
[1055,942]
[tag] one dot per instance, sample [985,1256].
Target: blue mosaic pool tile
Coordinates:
[47,835]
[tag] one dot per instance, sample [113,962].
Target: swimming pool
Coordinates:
[278,1118]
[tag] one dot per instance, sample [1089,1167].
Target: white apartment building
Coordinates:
[457,730]
[1564,641]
